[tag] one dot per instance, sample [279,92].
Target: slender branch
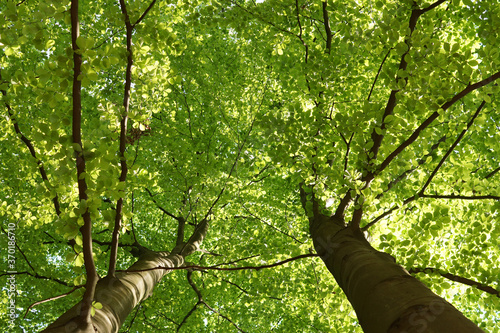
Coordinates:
[452,147]
[491,174]
[22,253]
[133,318]
[300,31]
[123,140]
[388,212]
[178,218]
[298,20]
[328,31]
[258,174]
[86,229]
[237,260]
[191,283]
[201,301]
[144,14]
[132,220]
[240,288]
[378,72]
[50,299]
[209,211]
[432,6]
[346,157]
[431,196]
[268,224]
[456,278]
[193,309]
[461,197]
[223,316]
[421,161]
[189,114]
[196,267]
[198,294]
[392,102]
[38,276]
[30,147]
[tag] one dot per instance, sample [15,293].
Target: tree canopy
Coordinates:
[215,135]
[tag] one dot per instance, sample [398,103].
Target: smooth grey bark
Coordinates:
[385,297]
[120,295]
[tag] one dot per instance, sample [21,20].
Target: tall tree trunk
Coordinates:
[385,297]
[120,295]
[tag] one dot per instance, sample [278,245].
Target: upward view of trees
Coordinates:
[250,166]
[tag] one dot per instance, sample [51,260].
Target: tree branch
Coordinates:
[462,197]
[378,72]
[144,14]
[38,276]
[196,267]
[403,64]
[237,158]
[86,229]
[201,301]
[450,150]
[123,140]
[30,147]
[326,23]
[391,103]
[223,316]
[430,119]
[50,299]
[420,162]
[456,278]
[268,224]
[193,309]
[491,174]
[262,20]
[388,212]
[178,218]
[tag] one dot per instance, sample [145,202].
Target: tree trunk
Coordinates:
[385,297]
[119,295]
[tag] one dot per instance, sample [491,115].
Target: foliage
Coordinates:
[233,105]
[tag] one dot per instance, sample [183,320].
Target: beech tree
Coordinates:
[251,166]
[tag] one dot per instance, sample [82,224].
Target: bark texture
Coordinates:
[385,297]
[119,295]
